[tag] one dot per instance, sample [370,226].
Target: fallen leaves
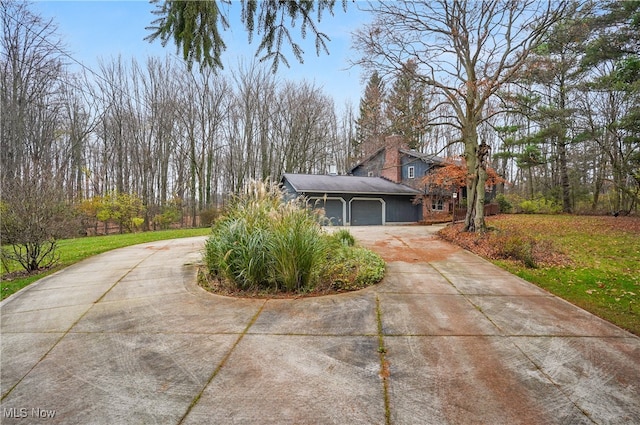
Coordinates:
[508,243]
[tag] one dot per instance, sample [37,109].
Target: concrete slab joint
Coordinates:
[446,338]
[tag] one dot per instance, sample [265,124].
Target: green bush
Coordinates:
[504,204]
[518,248]
[350,268]
[344,237]
[266,244]
[209,216]
[539,206]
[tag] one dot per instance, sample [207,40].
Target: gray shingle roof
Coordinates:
[430,158]
[310,183]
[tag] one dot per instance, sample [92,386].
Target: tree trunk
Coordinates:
[476,157]
[564,176]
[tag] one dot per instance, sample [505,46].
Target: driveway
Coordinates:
[446,338]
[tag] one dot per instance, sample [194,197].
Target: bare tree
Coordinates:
[204,98]
[466,52]
[30,67]
[78,122]
[305,120]
[248,127]
[32,158]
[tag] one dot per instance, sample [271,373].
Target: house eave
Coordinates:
[306,192]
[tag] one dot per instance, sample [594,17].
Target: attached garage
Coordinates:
[367,212]
[334,209]
[356,201]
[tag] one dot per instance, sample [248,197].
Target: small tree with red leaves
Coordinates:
[450,177]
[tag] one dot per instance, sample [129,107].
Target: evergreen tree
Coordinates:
[406,109]
[616,49]
[371,125]
[555,69]
[196,26]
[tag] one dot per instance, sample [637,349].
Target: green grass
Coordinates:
[604,274]
[73,250]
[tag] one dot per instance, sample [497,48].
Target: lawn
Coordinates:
[599,266]
[73,250]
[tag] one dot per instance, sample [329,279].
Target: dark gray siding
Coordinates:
[420,167]
[289,190]
[373,165]
[400,209]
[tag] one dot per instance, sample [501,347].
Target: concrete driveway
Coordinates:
[446,338]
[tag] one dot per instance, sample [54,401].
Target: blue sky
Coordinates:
[106,29]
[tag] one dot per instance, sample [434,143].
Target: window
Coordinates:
[411,172]
[437,205]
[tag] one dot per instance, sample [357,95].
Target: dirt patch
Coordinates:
[410,249]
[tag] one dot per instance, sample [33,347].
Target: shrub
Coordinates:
[209,216]
[518,248]
[33,216]
[344,237]
[539,206]
[350,268]
[504,204]
[171,213]
[266,244]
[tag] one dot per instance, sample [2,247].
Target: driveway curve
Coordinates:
[446,338]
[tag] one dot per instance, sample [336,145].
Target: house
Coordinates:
[356,200]
[398,164]
[385,188]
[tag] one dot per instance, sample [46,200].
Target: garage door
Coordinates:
[366,212]
[333,209]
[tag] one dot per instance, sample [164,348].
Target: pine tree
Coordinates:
[555,66]
[371,126]
[196,27]
[406,109]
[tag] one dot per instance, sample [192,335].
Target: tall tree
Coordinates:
[614,54]
[554,67]
[196,27]
[30,75]
[407,106]
[466,51]
[371,125]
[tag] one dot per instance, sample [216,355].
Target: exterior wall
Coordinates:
[420,167]
[397,208]
[289,190]
[373,165]
[400,209]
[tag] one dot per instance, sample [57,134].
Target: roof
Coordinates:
[428,158]
[312,183]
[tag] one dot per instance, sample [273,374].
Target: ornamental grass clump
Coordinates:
[264,243]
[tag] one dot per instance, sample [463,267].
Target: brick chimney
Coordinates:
[392,168]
